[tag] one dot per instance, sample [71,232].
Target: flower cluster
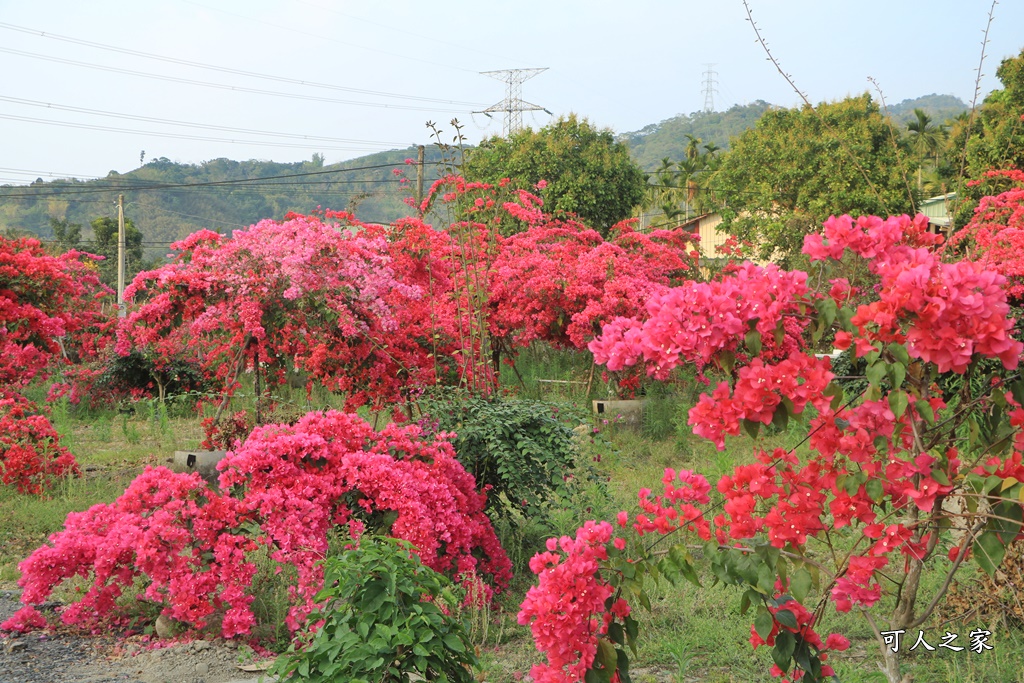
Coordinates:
[944,312]
[575,605]
[288,489]
[558,281]
[995,234]
[294,294]
[45,302]
[880,465]
[565,611]
[699,322]
[31,456]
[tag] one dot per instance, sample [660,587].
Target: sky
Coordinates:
[98,86]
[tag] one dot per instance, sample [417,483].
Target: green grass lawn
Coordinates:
[691,634]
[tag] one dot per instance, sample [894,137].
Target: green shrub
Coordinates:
[377,626]
[522,449]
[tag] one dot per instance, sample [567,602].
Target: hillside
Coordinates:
[656,141]
[220,194]
[942,109]
[223,194]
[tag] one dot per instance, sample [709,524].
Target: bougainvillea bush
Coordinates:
[884,481]
[288,490]
[995,234]
[50,310]
[31,457]
[51,317]
[301,293]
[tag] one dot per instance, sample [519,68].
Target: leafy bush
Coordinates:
[519,448]
[137,375]
[384,620]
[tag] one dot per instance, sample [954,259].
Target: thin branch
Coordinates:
[939,594]
[803,96]
[974,107]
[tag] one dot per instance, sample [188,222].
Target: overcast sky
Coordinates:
[392,65]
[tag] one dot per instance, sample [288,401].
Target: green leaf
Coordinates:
[726,360]
[988,552]
[763,623]
[897,373]
[780,418]
[874,489]
[782,653]
[745,600]
[786,618]
[751,428]
[899,352]
[752,342]
[876,373]
[454,643]
[898,402]
[623,666]
[800,584]
[827,308]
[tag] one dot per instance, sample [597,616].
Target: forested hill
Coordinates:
[941,109]
[224,195]
[167,201]
[654,142]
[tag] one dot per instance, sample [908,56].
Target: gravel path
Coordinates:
[65,657]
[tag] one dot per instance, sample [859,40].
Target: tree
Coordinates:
[105,232]
[994,141]
[587,172]
[925,140]
[67,234]
[782,178]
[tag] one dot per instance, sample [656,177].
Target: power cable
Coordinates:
[178,136]
[229,70]
[163,186]
[206,126]
[390,53]
[222,86]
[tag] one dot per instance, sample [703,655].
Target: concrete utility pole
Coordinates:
[513,105]
[120,256]
[709,88]
[419,180]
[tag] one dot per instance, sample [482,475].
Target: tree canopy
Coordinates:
[781,179]
[994,140]
[587,172]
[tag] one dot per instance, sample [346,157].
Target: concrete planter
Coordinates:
[622,412]
[203,462]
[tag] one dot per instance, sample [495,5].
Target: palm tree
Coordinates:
[925,140]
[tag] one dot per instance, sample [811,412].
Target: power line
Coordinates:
[391,52]
[222,86]
[213,183]
[178,136]
[223,69]
[206,126]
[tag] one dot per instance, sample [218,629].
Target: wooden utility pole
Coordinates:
[419,180]
[120,256]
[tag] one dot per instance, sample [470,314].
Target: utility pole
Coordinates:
[120,256]
[513,105]
[419,180]
[709,88]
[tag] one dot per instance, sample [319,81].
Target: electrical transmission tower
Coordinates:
[709,88]
[513,105]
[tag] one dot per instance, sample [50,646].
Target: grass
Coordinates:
[691,635]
